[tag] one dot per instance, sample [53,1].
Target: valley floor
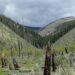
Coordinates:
[34,67]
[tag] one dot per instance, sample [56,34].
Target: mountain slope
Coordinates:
[67,40]
[26,33]
[50,28]
[30,56]
[59,32]
[9,39]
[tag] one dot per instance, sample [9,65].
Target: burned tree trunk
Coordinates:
[19,47]
[66,51]
[47,67]
[15,64]
[53,62]
[3,61]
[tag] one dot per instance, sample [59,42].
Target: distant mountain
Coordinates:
[50,28]
[36,29]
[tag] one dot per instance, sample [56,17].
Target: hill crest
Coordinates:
[45,31]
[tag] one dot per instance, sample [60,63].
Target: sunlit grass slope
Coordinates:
[9,39]
[67,41]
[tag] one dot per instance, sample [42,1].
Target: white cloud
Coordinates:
[37,12]
[10,10]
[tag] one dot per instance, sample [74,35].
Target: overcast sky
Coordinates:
[37,12]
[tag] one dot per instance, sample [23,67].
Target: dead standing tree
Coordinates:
[50,65]
[53,62]
[66,50]
[47,67]
[19,47]
[3,61]
[15,64]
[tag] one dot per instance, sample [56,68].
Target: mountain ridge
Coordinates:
[50,27]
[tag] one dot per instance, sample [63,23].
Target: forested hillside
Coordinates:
[59,32]
[9,39]
[27,33]
[50,28]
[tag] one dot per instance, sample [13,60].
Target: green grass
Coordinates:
[2,72]
[68,40]
[10,39]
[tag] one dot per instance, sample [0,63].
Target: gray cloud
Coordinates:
[37,12]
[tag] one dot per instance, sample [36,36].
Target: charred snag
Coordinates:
[47,67]
[53,63]
[4,61]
